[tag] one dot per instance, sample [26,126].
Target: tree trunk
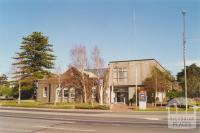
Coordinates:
[84,88]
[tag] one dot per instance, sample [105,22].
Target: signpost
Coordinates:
[142,100]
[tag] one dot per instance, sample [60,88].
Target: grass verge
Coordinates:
[34,104]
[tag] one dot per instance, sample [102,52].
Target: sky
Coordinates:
[122,29]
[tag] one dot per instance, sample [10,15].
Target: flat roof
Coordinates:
[132,60]
[139,60]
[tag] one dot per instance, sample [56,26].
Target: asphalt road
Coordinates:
[40,121]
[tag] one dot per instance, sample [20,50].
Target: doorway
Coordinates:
[121,95]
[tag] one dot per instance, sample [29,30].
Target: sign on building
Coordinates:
[142,100]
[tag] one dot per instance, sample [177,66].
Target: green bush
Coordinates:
[173,94]
[34,104]
[89,106]
[6,91]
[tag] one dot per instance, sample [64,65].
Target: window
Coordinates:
[45,92]
[66,93]
[72,93]
[115,75]
[94,92]
[125,75]
[59,92]
[120,75]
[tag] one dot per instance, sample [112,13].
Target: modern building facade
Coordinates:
[126,76]
[113,85]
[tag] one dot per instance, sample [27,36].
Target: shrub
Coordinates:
[6,91]
[89,106]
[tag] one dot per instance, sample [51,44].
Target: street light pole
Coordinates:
[184,60]
[136,87]
[19,97]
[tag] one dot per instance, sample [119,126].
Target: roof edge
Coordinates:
[131,60]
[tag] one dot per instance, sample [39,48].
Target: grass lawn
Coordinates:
[34,104]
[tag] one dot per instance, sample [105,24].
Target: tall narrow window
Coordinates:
[45,91]
[66,93]
[125,71]
[59,92]
[72,93]
[121,73]
[115,75]
[94,93]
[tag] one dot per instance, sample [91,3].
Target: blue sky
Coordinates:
[122,29]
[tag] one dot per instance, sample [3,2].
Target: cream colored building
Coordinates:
[124,76]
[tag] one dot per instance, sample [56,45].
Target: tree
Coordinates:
[172,94]
[158,81]
[3,80]
[96,59]
[98,63]
[79,60]
[193,80]
[34,60]
[78,55]
[6,91]
[57,72]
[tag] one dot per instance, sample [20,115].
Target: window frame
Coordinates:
[65,89]
[72,93]
[120,74]
[45,92]
[59,95]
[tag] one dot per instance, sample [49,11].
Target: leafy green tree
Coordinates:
[162,80]
[34,60]
[3,80]
[6,91]
[193,80]
[173,94]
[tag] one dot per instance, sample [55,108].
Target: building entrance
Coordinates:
[121,95]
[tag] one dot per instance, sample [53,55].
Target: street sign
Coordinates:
[142,100]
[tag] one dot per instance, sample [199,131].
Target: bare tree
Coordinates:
[58,71]
[79,60]
[98,63]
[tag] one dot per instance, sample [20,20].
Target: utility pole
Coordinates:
[136,87]
[156,93]
[184,60]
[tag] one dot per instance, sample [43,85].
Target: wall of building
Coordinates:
[131,92]
[143,68]
[51,90]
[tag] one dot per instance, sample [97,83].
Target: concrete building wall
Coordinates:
[131,92]
[51,90]
[40,92]
[143,68]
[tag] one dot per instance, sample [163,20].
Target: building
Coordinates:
[124,76]
[67,87]
[113,85]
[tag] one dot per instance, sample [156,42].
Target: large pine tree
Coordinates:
[34,60]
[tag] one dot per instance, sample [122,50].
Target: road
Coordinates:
[48,121]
